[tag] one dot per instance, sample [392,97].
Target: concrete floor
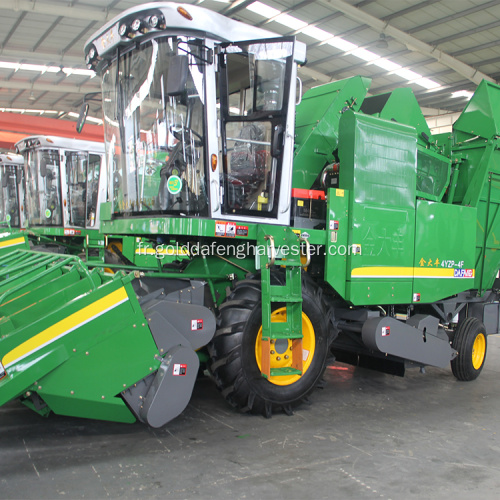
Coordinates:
[366,436]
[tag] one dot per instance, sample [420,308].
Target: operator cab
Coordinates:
[198,114]
[63,181]
[12,187]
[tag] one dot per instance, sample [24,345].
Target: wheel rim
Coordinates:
[478,351]
[282,348]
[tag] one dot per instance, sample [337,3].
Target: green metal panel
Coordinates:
[476,152]
[13,241]
[433,174]
[479,164]
[378,167]
[120,352]
[338,236]
[70,346]
[206,228]
[317,124]
[480,117]
[488,229]
[444,250]
[401,106]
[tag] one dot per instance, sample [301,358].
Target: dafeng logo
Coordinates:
[463,273]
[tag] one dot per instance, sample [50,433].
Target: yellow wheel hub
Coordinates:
[478,351]
[281,349]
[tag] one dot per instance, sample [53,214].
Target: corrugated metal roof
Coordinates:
[53,33]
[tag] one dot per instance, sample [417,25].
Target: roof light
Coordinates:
[153,21]
[386,64]
[290,22]
[156,21]
[22,111]
[79,71]
[427,84]
[89,118]
[263,10]
[364,54]
[91,59]
[341,44]
[316,33]
[136,25]
[407,74]
[122,30]
[462,93]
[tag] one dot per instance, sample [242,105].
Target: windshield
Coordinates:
[76,176]
[154,130]
[43,188]
[9,197]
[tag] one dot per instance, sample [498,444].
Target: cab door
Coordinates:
[257,111]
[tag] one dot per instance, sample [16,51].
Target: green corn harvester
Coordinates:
[270,234]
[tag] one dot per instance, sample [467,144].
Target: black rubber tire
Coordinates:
[232,351]
[466,334]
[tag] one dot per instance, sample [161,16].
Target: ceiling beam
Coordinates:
[411,42]
[235,7]
[32,124]
[13,29]
[463,34]
[295,8]
[47,33]
[59,9]
[457,15]
[49,58]
[78,37]
[49,87]
[394,15]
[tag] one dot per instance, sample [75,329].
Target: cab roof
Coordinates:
[198,22]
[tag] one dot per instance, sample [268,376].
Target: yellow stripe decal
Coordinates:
[65,326]
[405,272]
[11,243]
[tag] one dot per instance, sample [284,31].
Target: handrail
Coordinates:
[308,251]
[273,250]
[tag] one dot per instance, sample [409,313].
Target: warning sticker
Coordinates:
[220,229]
[179,370]
[386,331]
[196,324]
[241,230]
[230,229]
[72,232]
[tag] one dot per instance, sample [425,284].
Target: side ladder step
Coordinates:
[281,345]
